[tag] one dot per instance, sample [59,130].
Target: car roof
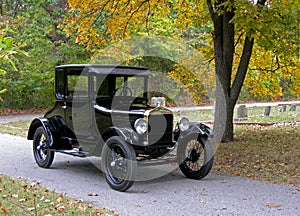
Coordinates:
[105,69]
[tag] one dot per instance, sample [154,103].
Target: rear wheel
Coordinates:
[195,156]
[42,154]
[119,163]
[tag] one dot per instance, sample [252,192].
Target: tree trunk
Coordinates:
[227,91]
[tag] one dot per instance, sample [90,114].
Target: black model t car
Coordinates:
[105,111]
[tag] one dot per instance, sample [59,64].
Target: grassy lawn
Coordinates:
[269,153]
[19,128]
[19,197]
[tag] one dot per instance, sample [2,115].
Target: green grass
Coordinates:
[19,128]
[18,197]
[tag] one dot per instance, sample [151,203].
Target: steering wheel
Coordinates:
[121,91]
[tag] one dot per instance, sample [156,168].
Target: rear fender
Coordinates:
[38,122]
[55,128]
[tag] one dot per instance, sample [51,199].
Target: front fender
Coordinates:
[38,122]
[198,128]
[126,133]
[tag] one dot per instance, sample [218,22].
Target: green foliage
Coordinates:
[30,80]
[8,51]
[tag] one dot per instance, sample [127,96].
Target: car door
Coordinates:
[79,108]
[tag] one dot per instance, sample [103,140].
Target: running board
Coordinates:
[153,162]
[73,152]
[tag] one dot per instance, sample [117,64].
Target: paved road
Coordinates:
[169,195]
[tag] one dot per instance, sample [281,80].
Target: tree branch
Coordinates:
[131,15]
[242,69]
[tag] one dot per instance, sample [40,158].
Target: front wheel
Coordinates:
[195,156]
[118,163]
[42,154]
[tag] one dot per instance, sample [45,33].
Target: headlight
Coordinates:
[183,124]
[140,126]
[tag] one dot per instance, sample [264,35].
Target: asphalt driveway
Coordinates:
[169,195]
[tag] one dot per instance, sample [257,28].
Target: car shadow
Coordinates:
[85,168]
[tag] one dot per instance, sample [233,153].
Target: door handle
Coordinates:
[64,106]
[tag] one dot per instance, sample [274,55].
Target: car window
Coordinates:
[101,86]
[118,85]
[77,86]
[60,85]
[136,84]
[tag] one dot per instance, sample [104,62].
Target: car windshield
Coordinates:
[127,86]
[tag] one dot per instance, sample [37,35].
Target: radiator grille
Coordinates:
[160,129]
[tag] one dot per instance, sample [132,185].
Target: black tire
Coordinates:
[195,156]
[41,152]
[118,163]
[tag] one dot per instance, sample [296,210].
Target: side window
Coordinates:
[77,86]
[119,82]
[136,84]
[101,85]
[60,83]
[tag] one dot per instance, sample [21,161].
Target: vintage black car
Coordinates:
[105,111]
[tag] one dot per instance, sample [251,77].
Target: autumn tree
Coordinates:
[237,25]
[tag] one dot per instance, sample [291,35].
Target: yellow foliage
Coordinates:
[96,24]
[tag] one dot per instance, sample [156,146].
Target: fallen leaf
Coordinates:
[81,208]
[30,209]
[59,199]
[34,183]
[3,211]
[272,205]
[15,196]
[59,207]
[93,194]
